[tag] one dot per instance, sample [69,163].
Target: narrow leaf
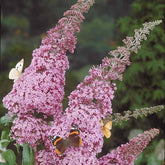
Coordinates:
[5,134]
[9,156]
[4,143]
[4,138]
[28,157]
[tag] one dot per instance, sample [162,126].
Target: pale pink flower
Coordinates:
[134,43]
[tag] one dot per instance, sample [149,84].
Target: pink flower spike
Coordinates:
[127,153]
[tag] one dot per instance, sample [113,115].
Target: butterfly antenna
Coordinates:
[74,126]
[51,138]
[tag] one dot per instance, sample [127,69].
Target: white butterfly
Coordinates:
[16,72]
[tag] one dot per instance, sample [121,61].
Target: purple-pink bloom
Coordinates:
[29,130]
[127,153]
[87,105]
[40,89]
[87,119]
[41,86]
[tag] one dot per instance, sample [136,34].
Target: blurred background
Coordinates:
[24,23]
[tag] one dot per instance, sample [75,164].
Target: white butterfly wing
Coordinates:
[19,65]
[14,74]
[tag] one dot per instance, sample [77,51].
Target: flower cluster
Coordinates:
[87,104]
[134,43]
[127,153]
[118,118]
[29,129]
[40,89]
[90,102]
[90,132]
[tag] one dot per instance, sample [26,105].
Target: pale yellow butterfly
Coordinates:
[106,128]
[16,72]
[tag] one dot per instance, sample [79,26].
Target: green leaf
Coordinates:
[3,163]
[158,94]
[5,135]
[162,83]
[6,120]
[160,48]
[5,139]
[155,65]
[9,156]
[28,155]
[4,143]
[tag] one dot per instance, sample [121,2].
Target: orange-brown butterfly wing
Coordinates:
[60,145]
[74,138]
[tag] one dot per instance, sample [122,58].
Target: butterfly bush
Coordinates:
[41,87]
[38,94]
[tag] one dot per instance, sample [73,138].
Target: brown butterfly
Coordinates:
[72,140]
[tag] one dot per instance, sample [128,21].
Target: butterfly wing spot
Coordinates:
[19,65]
[74,133]
[56,141]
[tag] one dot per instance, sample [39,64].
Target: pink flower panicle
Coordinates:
[40,89]
[117,63]
[127,153]
[97,93]
[97,89]
[29,130]
[87,104]
[62,37]
[44,79]
[87,119]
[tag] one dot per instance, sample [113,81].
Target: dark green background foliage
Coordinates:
[143,84]
[24,23]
